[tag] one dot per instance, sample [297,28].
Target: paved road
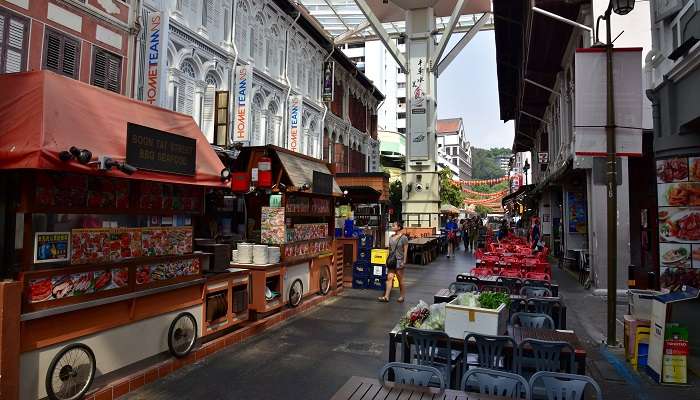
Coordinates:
[312,355]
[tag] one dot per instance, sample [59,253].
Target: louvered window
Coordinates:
[61,54]
[106,70]
[13,42]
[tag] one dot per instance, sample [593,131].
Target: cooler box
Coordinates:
[364,255]
[379,256]
[377,282]
[462,320]
[361,269]
[640,303]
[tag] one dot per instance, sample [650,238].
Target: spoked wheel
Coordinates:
[70,373]
[296,293]
[182,334]
[325,280]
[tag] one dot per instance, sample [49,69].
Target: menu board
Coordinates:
[272,228]
[166,271]
[307,248]
[115,244]
[70,285]
[578,214]
[678,190]
[307,232]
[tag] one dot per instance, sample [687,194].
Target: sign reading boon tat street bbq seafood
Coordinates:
[156,150]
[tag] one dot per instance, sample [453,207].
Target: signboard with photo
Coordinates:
[678,190]
[51,247]
[578,214]
[272,228]
[328,81]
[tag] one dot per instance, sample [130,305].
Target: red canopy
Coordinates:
[43,114]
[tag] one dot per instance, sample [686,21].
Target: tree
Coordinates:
[449,192]
[395,193]
[482,209]
[484,164]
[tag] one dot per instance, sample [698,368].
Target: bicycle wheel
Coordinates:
[296,293]
[325,280]
[70,373]
[182,334]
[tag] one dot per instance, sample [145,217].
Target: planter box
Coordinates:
[462,320]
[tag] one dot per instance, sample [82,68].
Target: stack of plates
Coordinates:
[245,253]
[273,255]
[234,256]
[260,254]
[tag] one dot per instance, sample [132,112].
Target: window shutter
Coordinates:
[61,54]
[106,70]
[208,113]
[189,98]
[13,33]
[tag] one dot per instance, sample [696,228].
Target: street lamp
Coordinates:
[620,7]
[526,167]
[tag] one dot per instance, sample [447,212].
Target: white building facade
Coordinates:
[454,150]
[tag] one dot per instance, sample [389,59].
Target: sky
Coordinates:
[469,89]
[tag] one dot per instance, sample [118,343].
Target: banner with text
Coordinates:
[157,25]
[295,109]
[418,140]
[328,80]
[244,83]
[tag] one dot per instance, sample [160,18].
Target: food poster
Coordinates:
[115,244]
[272,227]
[578,214]
[678,191]
[166,270]
[70,285]
[51,246]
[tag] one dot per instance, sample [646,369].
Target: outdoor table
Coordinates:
[361,388]
[424,247]
[492,280]
[517,333]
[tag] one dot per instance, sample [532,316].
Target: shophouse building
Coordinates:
[454,147]
[84,40]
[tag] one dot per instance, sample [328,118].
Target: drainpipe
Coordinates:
[286,79]
[231,74]
[134,52]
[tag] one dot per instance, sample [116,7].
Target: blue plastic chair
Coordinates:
[491,351]
[532,320]
[561,386]
[497,383]
[434,349]
[546,356]
[412,374]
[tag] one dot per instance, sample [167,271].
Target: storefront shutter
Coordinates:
[61,54]
[106,71]
[13,39]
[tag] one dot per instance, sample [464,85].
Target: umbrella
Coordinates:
[449,209]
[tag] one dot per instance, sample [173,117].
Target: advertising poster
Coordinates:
[157,42]
[242,96]
[272,228]
[578,214]
[328,81]
[417,136]
[678,191]
[295,109]
[69,285]
[51,247]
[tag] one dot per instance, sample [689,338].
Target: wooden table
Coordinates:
[426,247]
[360,388]
[517,333]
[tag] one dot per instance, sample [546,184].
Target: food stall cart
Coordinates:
[367,194]
[105,193]
[289,205]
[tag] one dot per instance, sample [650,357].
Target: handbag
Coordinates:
[392,261]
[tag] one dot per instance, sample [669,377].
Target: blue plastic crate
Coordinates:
[376,268]
[366,242]
[360,282]
[377,282]
[361,269]
[364,255]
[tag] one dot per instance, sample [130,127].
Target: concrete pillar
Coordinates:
[10,308]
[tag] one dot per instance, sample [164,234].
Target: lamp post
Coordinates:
[620,7]
[526,167]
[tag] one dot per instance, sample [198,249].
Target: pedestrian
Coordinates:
[451,228]
[535,234]
[396,262]
[503,231]
[464,229]
[473,232]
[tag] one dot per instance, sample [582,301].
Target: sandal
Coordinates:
[400,300]
[383,299]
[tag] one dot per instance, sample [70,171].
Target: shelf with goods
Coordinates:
[226,300]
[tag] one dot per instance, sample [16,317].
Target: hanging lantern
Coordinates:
[622,7]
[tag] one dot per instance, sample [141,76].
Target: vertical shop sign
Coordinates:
[244,82]
[328,81]
[157,25]
[295,110]
[678,190]
[418,129]
[578,214]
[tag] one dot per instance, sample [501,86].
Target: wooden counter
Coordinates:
[225,296]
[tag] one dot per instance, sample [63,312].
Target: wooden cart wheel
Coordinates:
[182,334]
[296,293]
[70,373]
[325,280]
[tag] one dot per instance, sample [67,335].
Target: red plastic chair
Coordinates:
[542,267]
[510,273]
[478,254]
[544,253]
[482,271]
[538,276]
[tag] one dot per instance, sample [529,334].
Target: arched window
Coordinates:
[310,86]
[291,63]
[207,127]
[274,124]
[313,140]
[301,67]
[188,69]
[280,55]
[257,40]
[241,38]
[257,137]
[271,49]
[185,88]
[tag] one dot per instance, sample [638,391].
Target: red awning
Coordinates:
[43,114]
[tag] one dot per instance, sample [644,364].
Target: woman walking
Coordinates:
[398,249]
[451,228]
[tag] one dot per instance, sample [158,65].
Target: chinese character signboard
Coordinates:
[543,157]
[418,139]
[295,109]
[155,74]
[328,79]
[51,246]
[591,104]
[156,150]
[244,82]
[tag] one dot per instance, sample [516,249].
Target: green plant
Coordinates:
[449,193]
[493,300]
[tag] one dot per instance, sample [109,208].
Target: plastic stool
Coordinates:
[641,336]
[631,326]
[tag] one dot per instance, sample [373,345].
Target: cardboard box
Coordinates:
[462,320]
